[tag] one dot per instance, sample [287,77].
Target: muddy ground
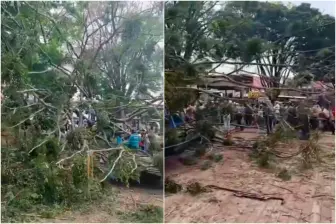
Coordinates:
[308,195]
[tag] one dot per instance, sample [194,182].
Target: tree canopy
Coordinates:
[58,57]
[279,39]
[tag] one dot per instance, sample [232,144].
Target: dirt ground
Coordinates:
[309,195]
[111,208]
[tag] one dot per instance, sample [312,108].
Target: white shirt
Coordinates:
[260,112]
[277,108]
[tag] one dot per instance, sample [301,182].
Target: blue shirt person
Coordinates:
[134,140]
[119,140]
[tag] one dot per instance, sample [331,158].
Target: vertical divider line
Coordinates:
[163,114]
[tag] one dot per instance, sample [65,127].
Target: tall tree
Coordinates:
[280,40]
[131,62]
[292,38]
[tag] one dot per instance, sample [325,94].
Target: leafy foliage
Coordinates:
[279,39]
[145,214]
[60,58]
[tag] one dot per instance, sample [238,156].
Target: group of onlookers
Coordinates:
[268,115]
[134,141]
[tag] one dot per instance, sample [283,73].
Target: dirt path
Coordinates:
[309,196]
[112,208]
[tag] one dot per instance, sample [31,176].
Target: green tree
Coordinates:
[54,59]
[292,39]
[280,40]
[131,63]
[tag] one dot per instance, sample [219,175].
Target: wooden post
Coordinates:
[92,165]
[88,165]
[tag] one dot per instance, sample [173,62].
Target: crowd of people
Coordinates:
[136,140]
[267,115]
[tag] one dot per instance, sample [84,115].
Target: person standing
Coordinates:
[248,114]
[226,111]
[322,101]
[146,142]
[267,114]
[276,113]
[313,119]
[327,120]
[239,116]
[292,115]
[303,119]
[134,140]
[190,113]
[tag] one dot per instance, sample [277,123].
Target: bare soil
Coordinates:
[309,195]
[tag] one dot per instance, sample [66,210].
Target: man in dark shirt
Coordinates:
[268,117]
[248,114]
[322,101]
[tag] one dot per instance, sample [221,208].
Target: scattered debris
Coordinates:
[195,188]
[200,151]
[284,174]
[238,193]
[215,157]
[214,200]
[228,142]
[206,165]
[172,187]
[188,158]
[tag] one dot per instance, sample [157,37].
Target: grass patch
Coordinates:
[206,165]
[200,151]
[216,157]
[284,174]
[172,187]
[195,188]
[16,214]
[144,214]
[25,207]
[263,160]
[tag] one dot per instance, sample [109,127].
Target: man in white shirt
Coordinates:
[277,107]
[276,111]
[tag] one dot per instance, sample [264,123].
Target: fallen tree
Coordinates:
[54,65]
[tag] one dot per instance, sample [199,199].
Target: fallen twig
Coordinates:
[30,116]
[66,158]
[80,151]
[114,164]
[238,193]
[323,195]
[134,201]
[43,142]
[298,219]
[135,163]
[282,188]
[170,212]
[63,147]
